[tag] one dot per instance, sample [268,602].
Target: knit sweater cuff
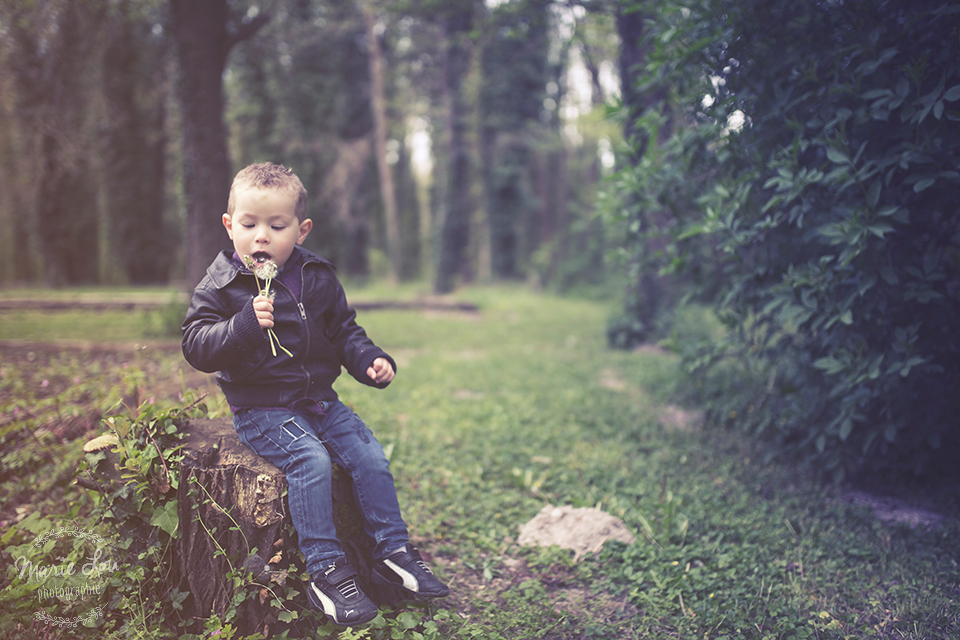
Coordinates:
[368,362]
[249,334]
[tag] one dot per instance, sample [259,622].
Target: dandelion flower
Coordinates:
[266,270]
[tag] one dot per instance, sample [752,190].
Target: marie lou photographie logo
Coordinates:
[73,581]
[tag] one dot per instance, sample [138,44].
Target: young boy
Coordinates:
[284,407]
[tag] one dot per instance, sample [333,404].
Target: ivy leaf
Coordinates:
[407,620]
[166,518]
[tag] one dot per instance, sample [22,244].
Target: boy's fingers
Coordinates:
[380,371]
[383,374]
[263,309]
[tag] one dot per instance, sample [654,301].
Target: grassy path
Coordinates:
[495,414]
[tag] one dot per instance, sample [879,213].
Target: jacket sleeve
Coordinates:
[213,341]
[355,349]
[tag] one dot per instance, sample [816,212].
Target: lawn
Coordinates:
[493,415]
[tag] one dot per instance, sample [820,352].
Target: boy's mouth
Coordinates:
[260,257]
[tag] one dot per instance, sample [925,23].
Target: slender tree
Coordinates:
[458,21]
[515,75]
[133,143]
[378,105]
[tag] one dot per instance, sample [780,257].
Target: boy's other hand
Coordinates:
[263,307]
[381,371]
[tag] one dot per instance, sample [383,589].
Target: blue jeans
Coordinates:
[303,445]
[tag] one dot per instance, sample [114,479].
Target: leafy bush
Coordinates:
[812,185]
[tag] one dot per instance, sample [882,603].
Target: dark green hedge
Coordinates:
[826,228]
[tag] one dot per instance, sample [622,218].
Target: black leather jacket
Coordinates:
[221,334]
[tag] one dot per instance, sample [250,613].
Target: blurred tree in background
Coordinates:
[82,142]
[133,144]
[49,178]
[515,75]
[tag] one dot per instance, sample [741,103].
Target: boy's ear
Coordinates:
[305,227]
[228,224]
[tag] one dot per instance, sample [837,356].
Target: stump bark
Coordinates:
[233,512]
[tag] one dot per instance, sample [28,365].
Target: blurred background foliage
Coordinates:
[124,122]
[791,167]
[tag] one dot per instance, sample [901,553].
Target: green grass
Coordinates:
[70,325]
[495,414]
[158,294]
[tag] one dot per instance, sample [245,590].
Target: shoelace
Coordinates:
[424,566]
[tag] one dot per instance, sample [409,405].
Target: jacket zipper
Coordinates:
[306,333]
[306,330]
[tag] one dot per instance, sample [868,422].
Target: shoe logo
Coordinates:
[349,611]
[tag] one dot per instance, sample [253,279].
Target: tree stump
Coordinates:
[233,502]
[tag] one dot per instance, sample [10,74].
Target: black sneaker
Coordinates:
[335,592]
[407,570]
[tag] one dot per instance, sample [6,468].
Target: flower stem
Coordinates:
[282,348]
[271,336]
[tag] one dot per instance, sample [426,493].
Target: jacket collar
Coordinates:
[223,270]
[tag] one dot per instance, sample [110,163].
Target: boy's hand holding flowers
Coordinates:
[265,270]
[263,306]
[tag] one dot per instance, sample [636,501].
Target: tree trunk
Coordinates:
[339,196]
[133,151]
[456,226]
[204,36]
[378,106]
[232,502]
[507,200]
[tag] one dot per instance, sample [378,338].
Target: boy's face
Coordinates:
[264,225]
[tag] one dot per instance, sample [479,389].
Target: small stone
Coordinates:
[582,530]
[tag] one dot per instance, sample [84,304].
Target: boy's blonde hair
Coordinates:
[269,175]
